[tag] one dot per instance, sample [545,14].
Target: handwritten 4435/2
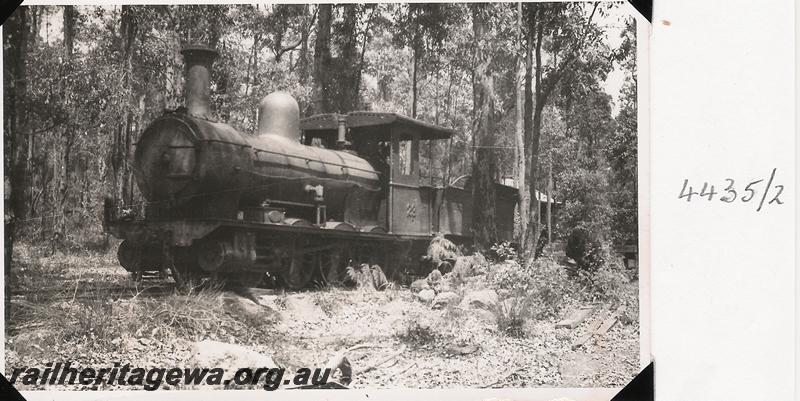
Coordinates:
[730,194]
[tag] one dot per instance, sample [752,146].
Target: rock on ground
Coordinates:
[209,353]
[444,299]
[482,299]
[434,277]
[420,285]
[426,295]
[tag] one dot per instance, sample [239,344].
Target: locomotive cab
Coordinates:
[415,202]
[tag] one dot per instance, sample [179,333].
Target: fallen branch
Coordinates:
[503,378]
[411,365]
[382,361]
[361,346]
[340,362]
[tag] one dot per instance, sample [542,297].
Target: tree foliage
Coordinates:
[82,82]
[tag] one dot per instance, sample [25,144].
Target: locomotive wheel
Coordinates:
[331,267]
[189,277]
[301,270]
[129,256]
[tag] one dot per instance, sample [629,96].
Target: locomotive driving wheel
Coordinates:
[301,267]
[331,266]
[181,263]
[189,277]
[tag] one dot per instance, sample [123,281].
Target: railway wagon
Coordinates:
[296,200]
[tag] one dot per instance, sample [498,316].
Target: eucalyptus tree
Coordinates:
[558,35]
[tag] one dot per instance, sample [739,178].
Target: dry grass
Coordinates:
[417,333]
[87,303]
[511,315]
[304,328]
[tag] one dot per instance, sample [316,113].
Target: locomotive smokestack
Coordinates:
[279,114]
[197,87]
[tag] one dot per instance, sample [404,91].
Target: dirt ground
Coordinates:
[446,347]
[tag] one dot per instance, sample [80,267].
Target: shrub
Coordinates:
[468,266]
[441,249]
[585,191]
[504,251]
[417,333]
[538,290]
[510,277]
[608,284]
[511,314]
[588,250]
[631,313]
[553,288]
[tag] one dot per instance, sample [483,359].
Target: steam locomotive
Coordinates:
[297,200]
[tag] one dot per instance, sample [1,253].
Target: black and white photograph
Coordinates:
[322,196]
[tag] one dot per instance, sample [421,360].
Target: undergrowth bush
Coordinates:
[538,290]
[417,333]
[589,252]
[608,283]
[441,249]
[511,313]
[611,286]
[504,251]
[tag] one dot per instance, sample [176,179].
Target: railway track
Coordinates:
[150,286]
[90,291]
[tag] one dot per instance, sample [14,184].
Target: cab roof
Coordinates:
[374,124]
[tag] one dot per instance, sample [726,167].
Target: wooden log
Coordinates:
[577,317]
[382,361]
[607,325]
[592,330]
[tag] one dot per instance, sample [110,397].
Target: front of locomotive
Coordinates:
[184,159]
[186,166]
[183,163]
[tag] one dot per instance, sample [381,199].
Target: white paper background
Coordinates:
[723,96]
[527,394]
[722,106]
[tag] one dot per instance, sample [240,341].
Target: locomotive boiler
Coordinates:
[295,200]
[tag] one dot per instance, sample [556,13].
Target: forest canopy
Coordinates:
[542,95]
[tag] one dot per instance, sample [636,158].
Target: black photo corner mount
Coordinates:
[641,388]
[8,392]
[7,7]
[645,7]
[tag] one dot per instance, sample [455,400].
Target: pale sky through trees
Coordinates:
[614,24]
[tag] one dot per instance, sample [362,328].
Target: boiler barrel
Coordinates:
[182,158]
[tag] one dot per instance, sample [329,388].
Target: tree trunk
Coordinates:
[415,66]
[253,75]
[484,228]
[349,70]
[519,131]
[16,36]
[549,202]
[16,33]
[540,99]
[65,149]
[69,29]
[322,59]
[302,60]
[524,194]
[123,143]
